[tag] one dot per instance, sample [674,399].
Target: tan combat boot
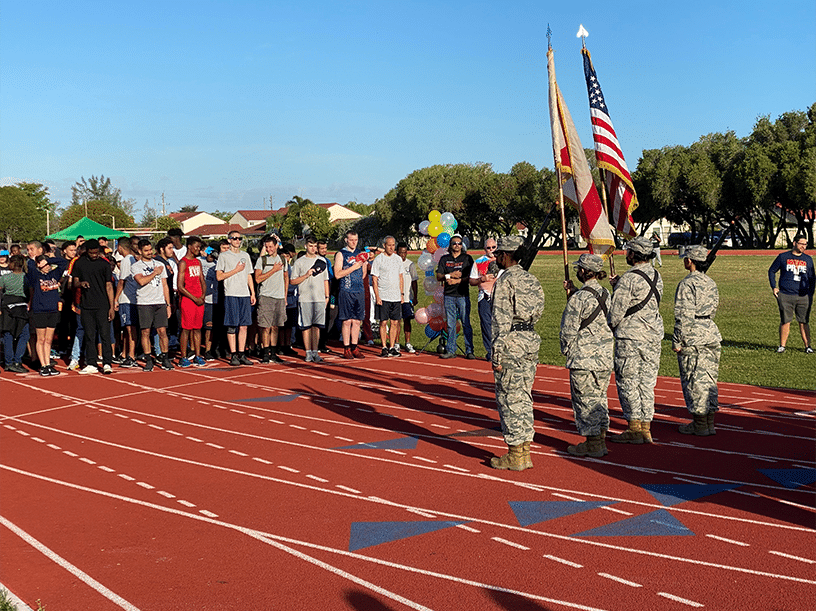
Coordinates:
[631,435]
[646,432]
[513,460]
[593,446]
[698,426]
[710,423]
[526,458]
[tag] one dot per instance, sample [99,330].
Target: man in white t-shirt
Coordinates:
[233,268]
[388,284]
[409,294]
[272,277]
[310,275]
[153,303]
[125,300]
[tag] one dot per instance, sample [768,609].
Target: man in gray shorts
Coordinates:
[310,274]
[794,295]
[272,278]
[152,303]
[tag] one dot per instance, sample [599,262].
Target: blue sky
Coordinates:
[222,104]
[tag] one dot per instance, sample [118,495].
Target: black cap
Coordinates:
[319,266]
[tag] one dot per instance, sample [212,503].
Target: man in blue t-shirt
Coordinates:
[794,295]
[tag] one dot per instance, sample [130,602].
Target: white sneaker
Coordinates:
[107,370]
[397,347]
[73,365]
[780,350]
[370,342]
[410,349]
[89,369]
[309,358]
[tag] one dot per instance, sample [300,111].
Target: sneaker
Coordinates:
[117,360]
[780,350]
[148,366]
[73,365]
[357,354]
[208,356]
[410,349]
[234,362]
[267,356]
[184,363]
[199,362]
[165,363]
[318,359]
[52,371]
[244,360]
[89,369]
[394,352]
[385,352]
[44,371]
[16,368]
[107,370]
[470,356]
[309,357]
[808,350]
[447,355]
[128,363]
[347,353]
[275,358]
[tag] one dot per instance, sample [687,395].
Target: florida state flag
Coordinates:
[576,179]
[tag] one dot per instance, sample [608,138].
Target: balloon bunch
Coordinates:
[439,228]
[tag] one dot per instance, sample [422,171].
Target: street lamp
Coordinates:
[113,221]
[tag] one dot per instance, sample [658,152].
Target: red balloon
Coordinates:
[431,246]
[437,324]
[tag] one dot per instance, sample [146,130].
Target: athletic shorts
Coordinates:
[311,314]
[350,306]
[208,314]
[128,314]
[192,315]
[152,316]
[291,318]
[790,305]
[237,312]
[407,311]
[271,312]
[45,320]
[388,310]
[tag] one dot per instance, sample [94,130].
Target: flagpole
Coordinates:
[557,165]
[602,174]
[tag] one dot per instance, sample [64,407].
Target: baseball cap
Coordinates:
[319,266]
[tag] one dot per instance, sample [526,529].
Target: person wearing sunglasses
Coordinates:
[483,275]
[233,268]
[794,295]
[453,271]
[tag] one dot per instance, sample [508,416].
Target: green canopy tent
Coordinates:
[88,229]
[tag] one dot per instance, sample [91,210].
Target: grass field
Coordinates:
[747,317]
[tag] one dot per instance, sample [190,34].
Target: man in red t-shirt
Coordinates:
[191,289]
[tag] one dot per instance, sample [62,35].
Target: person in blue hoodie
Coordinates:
[43,277]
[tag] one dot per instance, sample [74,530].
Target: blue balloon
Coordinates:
[443,239]
[430,272]
[430,333]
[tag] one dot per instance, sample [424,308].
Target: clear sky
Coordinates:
[221,104]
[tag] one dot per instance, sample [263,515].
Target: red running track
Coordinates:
[363,485]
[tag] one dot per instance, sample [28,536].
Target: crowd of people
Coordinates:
[181,302]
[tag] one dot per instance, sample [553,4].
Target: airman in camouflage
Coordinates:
[587,342]
[696,341]
[634,317]
[518,301]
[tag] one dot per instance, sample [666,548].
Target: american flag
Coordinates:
[622,197]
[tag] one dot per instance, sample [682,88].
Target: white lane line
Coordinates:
[729,540]
[209,514]
[176,433]
[71,454]
[626,513]
[510,543]
[38,440]
[9,427]
[290,469]
[54,447]
[621,580]
[102,409]
[318,479]
[341,438]
[54,557]
[256,416]
[202,402]
[468,528]
[185,503]
[122,416]
[799,558]
[688,481]
[423,459]
[127,477]
[275,421]
[455,468]
[237,411]
[744,493]
[196,439]
[137,421]
[88,461]
[412,420]
[319,433]
[440,426]
[396,452]
[574,565]
[347,489]
[215,445]
[684,601]
[300,428]
[569,498]
[166,495]
[424,514]
[221,407]
[23,433]
[237,453]
[156,426]
[145,485]
[261,460]
[108,469]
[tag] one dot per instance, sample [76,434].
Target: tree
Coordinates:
[164,223]
[224,216]
[100,189]
[188,208]
[302,216]
[19,217]
[99,211]
[149,215]
[362,209]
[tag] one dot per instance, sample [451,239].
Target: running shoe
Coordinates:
[234,361]
[780,350]
[165,362]
[317,359]
[808,350]
[184,363]
[52,371]
[128,362]
[199,362]
[208,356]
[44,371]
[73,365]
[16,368]
[394,352]
[244,360]
[89,369]
[385,353]
[410,349]
[107,370]
[148,366]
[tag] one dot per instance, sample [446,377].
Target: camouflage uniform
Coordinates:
[637,340]
[698,338]
[589,357]
[518,299]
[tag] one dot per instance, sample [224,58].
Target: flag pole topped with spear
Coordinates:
[557,165]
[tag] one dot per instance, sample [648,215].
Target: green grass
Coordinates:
[747,317]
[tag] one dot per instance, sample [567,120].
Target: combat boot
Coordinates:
[710,423]
[698,426]
[631,435]
[513,460]
[593,446]
[603,442]
[646,432]
[526,458]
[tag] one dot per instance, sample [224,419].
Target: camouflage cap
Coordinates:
[696,252]
[640,245]
[509,243]
[593,263]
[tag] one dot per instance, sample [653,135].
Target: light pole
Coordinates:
[113,221]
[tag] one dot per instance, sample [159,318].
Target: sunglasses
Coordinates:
[490,248]
[236,238]
[455,243]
